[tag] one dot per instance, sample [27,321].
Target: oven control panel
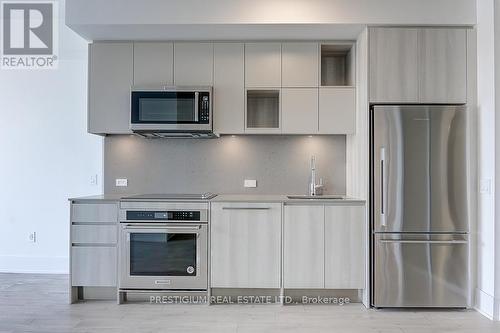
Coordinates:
[174,215]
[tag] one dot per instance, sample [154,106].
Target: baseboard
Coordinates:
[485,304]
[34,265]
[496,315]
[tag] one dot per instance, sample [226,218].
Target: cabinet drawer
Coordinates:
[93,266]
[93,234]
[106,213]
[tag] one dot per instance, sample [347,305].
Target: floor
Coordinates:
[39,303]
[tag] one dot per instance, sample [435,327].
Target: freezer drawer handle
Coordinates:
[382,187]
[423,241]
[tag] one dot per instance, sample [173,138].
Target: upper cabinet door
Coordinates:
[300,65]
[299,110]
[153,64]
[393,65]
[263,65]
[229,89]
[193,64]
[110,80]
[337,110]
[443,65]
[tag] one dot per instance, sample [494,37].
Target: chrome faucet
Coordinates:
[315,189]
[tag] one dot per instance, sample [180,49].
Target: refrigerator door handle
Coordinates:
[382,188]
[450,242]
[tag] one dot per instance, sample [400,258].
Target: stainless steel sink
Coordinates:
[316,197]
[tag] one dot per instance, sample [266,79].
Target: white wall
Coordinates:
[271,12]
[488,256]
[256,19]
[496,307]
[46,156]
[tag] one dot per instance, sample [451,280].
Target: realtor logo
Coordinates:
[29,31]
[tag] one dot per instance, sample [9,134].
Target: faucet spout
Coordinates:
[313,187]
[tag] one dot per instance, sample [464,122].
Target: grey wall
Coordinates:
[280,164]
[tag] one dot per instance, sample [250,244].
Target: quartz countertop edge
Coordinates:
[269,198]
[99,197]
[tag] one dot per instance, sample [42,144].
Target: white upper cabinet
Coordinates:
[153,64]
[245,245]
[299,64]
[345,229]
[299,110]
[110,80]
[193,64]
[443,65]
[393,65]
[229,89]
[304,247]
[418,65]
[263,65]
[337,110]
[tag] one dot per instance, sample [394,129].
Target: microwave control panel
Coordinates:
[204,108]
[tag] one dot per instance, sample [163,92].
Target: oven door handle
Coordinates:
[151,227]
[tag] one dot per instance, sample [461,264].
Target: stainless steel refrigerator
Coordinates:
[419,216]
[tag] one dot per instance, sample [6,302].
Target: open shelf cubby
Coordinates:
[263,108]
[337,65]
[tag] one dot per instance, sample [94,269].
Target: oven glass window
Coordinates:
[162,254]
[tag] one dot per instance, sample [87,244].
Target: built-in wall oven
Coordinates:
[163,246]
[172,110]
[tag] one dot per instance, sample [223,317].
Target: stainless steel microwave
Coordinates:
[171,109]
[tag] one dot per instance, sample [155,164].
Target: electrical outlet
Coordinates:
[250,183]
[93,180]
[32,237]
[485,186]
[121,182]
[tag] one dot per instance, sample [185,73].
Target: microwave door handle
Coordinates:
[196,107]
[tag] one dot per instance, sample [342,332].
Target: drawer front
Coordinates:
[93,266]
[246,245]
[94,234]
[106,213]
[421,270]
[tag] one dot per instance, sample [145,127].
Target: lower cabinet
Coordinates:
[93,238]
[345,241]
[324,247]
[245,245]
[93,266]
[304,247]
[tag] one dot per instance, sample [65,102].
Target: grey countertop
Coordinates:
[99,197]
[279,198]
